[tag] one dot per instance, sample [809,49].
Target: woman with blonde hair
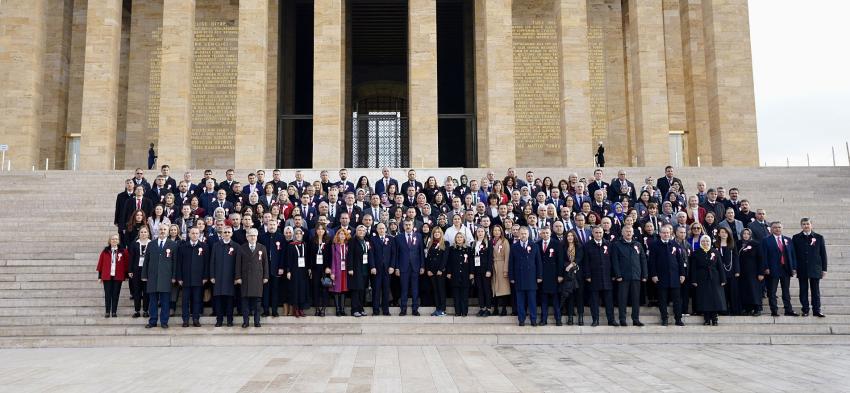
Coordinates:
[112,269]
[435,268]
[339,269]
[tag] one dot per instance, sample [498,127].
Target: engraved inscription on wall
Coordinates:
[537,99]
[598,99]
[213,91]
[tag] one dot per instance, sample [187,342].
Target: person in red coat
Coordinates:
[112,270]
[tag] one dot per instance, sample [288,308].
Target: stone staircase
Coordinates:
[53,225]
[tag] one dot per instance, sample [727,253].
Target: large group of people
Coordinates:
[272,247]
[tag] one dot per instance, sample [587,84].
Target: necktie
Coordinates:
[161,244]
[138,204]
[409,239]
[781,251]
[545,244]
[581,235]
[252,248]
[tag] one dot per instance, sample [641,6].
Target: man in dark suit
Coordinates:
[384,182]
[628,259]
[525,271]
[137,202]
[667,269]
[712,205]
[760,227]
[583,233]
[409,265]
[299,182]
[781,259]
[354,213]
[220,201]
[120,220]
[598,183]
[411,182]
[252,186]
[160,273]
[552,262]
[158,192]
[222,273]
[617,185]
[193,257]
[199,188]
[663,183]
[227,183]
[168,182]
[275,244]
[383,255]
[343,185]
[139,179]
[810,252]
[599,275]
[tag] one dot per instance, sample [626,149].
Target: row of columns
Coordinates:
[715,42]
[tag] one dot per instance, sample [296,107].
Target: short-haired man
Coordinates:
[810,252]
[525,271]
[252,272]
[781,259]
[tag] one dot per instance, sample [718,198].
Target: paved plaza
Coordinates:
[547,368]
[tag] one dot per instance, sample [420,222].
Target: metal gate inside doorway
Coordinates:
[380,137]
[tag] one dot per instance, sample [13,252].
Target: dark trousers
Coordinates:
[485,291]
[271,295]
[607,298]
[395,289]
[526,301]
[814,284]
[192,296]
[161,302]
[250,305]
[665,295]
[223,306]
[461,300]
[576,301]
[111,292]
[547,299]
[409,286]
[438,284]
[733,295]
[629,295]
[685,294]
[356,300]
[140,295]
[709,316]
[772,283]
[381,291]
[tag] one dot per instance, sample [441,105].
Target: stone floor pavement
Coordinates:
[549,368]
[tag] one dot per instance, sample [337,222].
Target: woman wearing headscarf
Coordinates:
[708,279]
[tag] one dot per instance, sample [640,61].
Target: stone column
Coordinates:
[175,96]
[23,26]
[422,75]
[575,83]
[494,74]
[696,94]
[328,83]
[731,95]
[76,69]
[99,119]
[649,82]
[55,88]
[251,84]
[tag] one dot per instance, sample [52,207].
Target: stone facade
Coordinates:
[552,79]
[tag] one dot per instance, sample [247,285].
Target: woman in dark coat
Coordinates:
[707,277]
[358,270]
[297,274]
[435,268]
[725,244]
[137,260]
[319,259]
[482,268]
[752,273]
[574,261]
[112,268]
[458,266]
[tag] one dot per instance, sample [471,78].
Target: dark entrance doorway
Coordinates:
[295,84]
[456,84]
[377,133]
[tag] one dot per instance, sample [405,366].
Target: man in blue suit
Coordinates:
[781,263]
[384,182]
[409,264]
[525,271]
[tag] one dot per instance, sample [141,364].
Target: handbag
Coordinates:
[327,282]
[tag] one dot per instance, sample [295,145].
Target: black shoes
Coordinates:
[504,312]
[664,322]
[257,324]
[196,323]
[679,323]
[230,324]
[558,322]
[218,324]
[819,314]
[114,315]
[805,313]
[146,314]
[534,324]
[106,315]
[165,326]
[636,323]
[580,320]
[595,323]
[713,322]
[136,314]
[416,313]
[522,323]
[791,314]
[244,325]
[402,313]
[148,326]
[613,323]
[774,313]
[185,324]
[623,322]
[569,321]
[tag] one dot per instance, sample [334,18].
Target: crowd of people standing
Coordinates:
[272,247]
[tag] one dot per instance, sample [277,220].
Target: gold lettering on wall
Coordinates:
[598,98]
[537,97]
[214,88]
